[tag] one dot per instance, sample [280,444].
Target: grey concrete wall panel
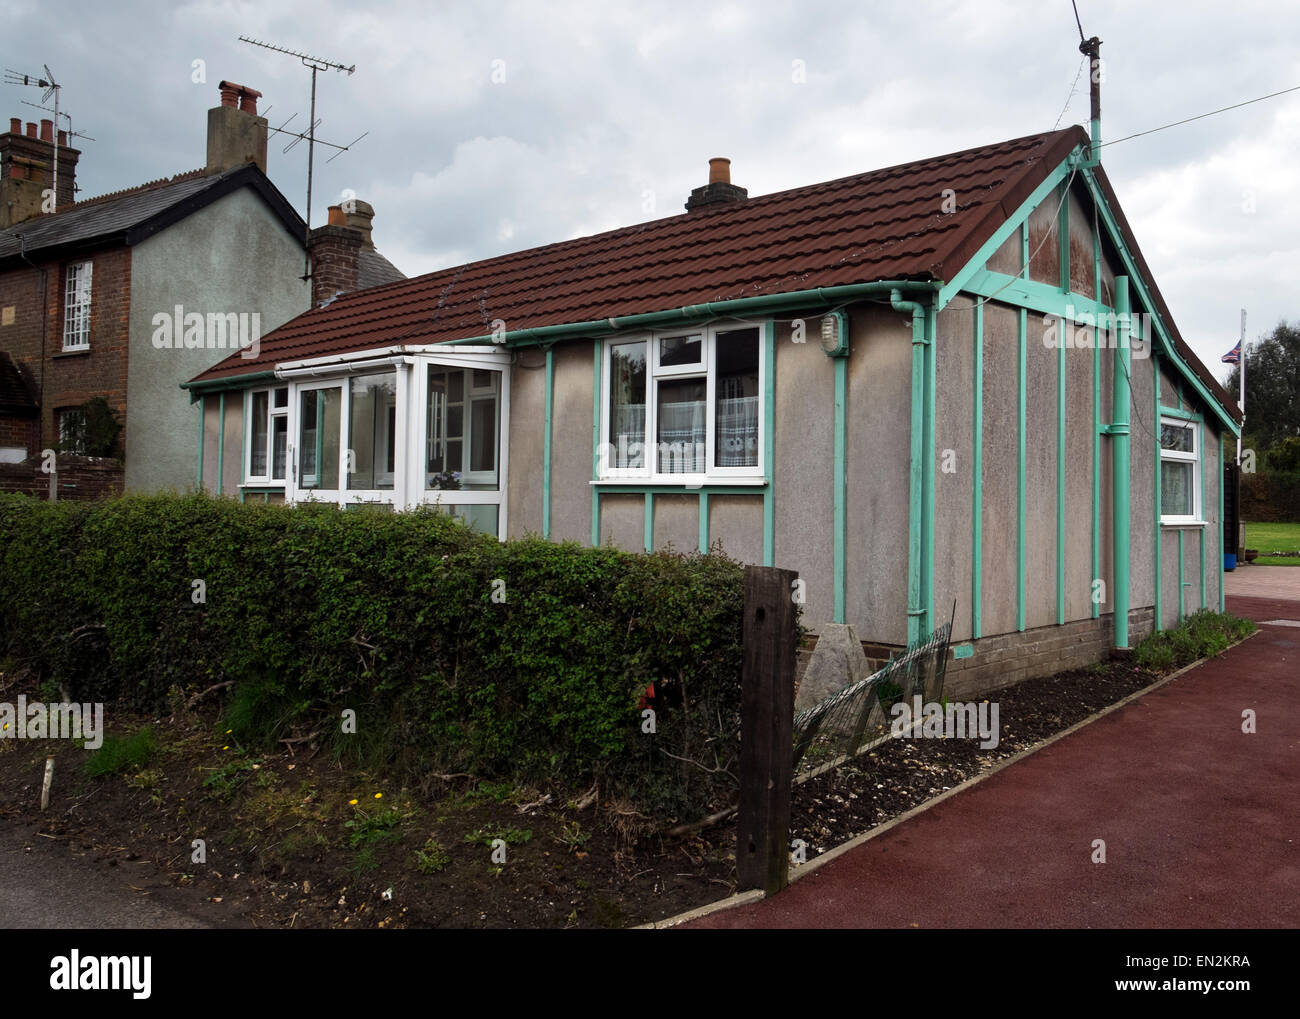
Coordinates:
[998,575]
[805,459]
[1040,480]
[570,443]
[527,415]
[677,522]
[737,521]
[1142,505]
[622,522]
[954,488]
[879,427]
[1079,438]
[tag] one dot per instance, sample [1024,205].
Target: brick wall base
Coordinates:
[79,478]
[1010,658]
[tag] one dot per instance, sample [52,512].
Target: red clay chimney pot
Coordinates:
[63,139]
[31,130]
[15,125]
[337,216]
[719,170]
[47,130]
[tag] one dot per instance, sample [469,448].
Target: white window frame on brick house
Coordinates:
[1171,456]
[620,461]
[76,306]
[64,416]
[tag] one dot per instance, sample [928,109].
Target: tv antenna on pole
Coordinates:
[315,64]
[52,88]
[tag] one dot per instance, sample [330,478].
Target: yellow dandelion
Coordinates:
[229,731]
[225,748]
[352,803]
[379,796]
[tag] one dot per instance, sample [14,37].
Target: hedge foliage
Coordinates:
[310,611]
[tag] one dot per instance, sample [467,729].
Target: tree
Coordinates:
[1272,387]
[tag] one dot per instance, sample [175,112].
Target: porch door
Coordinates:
[318,460]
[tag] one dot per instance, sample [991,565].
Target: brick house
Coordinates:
[127,295]
[946,388]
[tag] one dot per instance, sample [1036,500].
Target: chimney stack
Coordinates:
[335,250]
[236,134]
[27,171]
[719,190]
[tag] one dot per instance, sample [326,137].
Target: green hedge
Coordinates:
[311,611]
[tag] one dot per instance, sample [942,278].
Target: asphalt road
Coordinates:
[44,885]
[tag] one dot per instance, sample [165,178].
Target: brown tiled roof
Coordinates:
[886,224]
[883,225]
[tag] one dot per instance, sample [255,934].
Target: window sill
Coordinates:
[72,352]
[685,485]
[1175,524]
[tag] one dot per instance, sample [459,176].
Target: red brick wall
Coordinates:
[16,431]
[334,251]
[79,477]
[68,380]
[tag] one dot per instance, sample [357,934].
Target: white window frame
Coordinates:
[64,414]
[267,480]
[409,481]
[649,472]
[1180,457]
[78,278]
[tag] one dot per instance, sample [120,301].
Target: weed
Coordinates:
[572,836]
[432,858]
[370,829]
[226,780]
[120,753]
[510,836]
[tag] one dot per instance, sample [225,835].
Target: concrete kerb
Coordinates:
[744,898]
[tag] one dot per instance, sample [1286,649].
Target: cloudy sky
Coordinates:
[496,126]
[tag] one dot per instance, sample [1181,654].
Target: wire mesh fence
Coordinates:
[858,717]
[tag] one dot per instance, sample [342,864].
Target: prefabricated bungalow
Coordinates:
[949,388]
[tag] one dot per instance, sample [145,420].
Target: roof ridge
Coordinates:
[151,185]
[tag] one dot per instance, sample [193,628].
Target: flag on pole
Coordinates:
[1233,356]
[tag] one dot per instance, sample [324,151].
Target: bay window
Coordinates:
[684,404]
[390,431]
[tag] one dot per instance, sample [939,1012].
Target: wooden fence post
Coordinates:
[766,730]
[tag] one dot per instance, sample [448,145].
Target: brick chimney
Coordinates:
[236,134]
[719,190]
[334,249]
[27,171]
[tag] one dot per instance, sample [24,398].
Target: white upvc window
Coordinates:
[1180,467]
[422,427]
[76,307]
[267,428]
[683,406]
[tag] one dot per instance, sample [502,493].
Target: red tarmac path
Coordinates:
[1201,822]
